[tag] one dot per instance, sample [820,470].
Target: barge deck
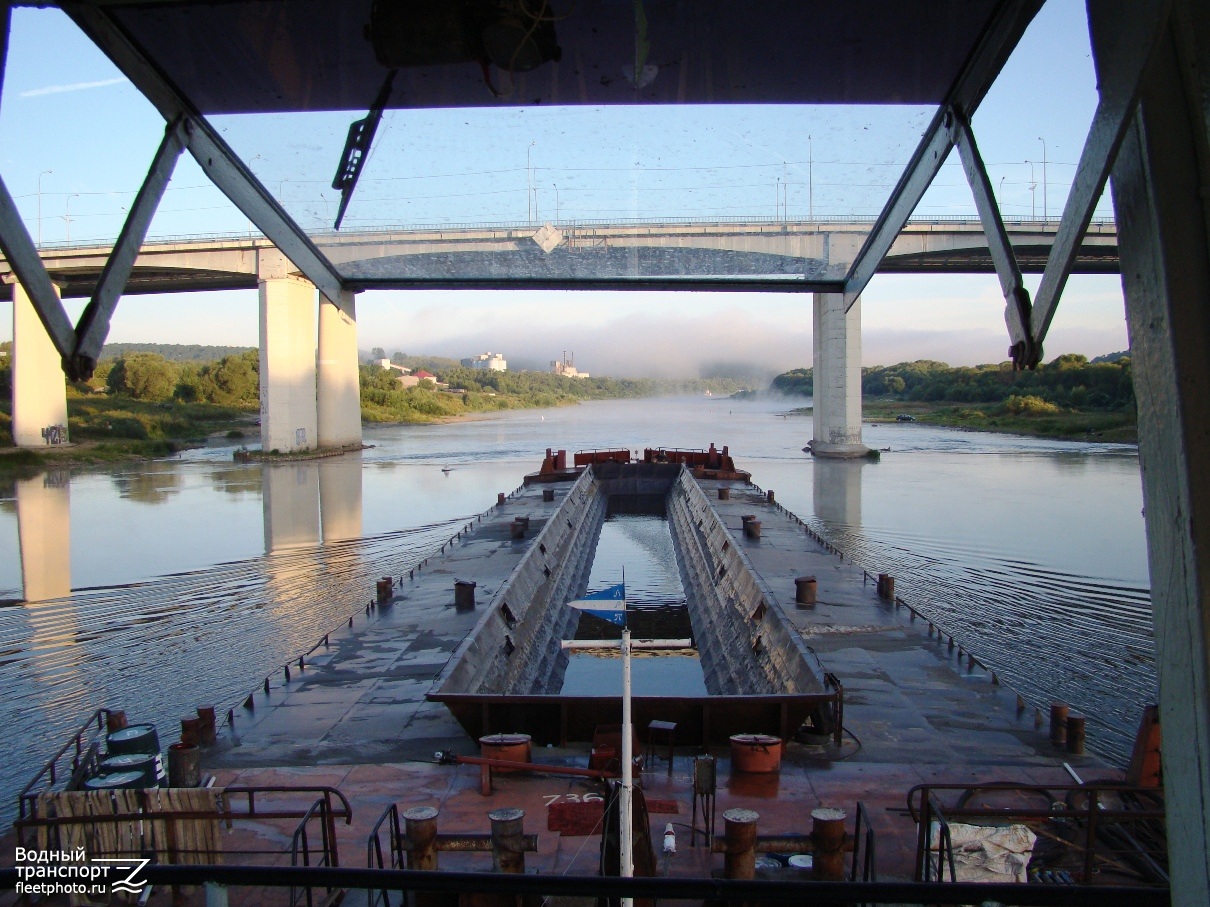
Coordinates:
[916,710]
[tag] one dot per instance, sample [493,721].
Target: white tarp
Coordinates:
[987,853]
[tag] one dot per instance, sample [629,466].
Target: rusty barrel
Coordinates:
[724,493]
[827,833]
[507,748]
[805,588]
[755,754]
[499,498]
[385,588]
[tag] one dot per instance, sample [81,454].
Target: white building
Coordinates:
[566,368]
[493,362]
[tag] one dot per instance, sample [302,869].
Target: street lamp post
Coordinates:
[40,175]
[810,179]
[1045,211]
[529,182]
[556,188]
[1033,185]
[1001,194]
[67,214]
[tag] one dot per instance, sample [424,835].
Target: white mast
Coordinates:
[625,805]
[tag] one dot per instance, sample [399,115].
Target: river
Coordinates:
[156,587]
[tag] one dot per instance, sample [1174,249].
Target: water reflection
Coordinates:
[340,497]
[291,505]
[153,484]
[837,491]
[44,531]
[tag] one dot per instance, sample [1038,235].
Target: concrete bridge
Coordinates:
[821,251]
[310,401]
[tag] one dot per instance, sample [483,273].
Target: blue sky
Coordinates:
[69,121]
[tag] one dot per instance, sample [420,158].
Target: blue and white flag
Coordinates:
[608,604]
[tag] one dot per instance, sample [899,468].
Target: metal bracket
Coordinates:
[357,148]
[1000,37]
[216,158]
[1024,351]
[93,325]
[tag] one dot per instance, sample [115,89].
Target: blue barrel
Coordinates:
[115,781]
[146,764]
[138,738]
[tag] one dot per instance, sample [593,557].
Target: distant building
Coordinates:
[422,375]
[566,368]
[488,362]
[392,367]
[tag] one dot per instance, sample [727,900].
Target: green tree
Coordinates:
[143,376]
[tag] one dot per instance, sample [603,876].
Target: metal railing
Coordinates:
[253,799]
[567,224]
[374,853]
[83,760]
[864,847]
[1091,832]
[300,848]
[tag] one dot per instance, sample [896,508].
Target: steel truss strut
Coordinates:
[224,167]
[1016,297]
[999,39]
[1136,30]
[93,325]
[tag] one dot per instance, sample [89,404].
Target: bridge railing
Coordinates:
[322,236]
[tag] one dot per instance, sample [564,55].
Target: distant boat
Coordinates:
[447,469]
[708,394]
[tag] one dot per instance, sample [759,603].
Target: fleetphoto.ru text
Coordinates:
[71,872]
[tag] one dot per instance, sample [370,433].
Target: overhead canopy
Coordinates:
[308,55]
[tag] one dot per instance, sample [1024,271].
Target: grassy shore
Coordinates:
[115,429]
[1067,424]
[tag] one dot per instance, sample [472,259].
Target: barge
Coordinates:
[838,726]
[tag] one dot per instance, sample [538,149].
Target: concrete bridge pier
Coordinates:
[288,419]
[338,394]
[39,386]
[836,363]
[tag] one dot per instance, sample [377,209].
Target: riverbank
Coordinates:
[1058,423]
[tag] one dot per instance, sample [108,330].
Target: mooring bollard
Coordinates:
[724,493]
[516,529]
[769,496]
[385,588]
[739,841]
[500,499]
[827,831]
[1075,735]
[115,721]
[548,495]
[184,765]
[420,829]
[464,595]
[508,839]
[191,731]
[1058,723]
[805,588]
[752,529]
[208,731]
[886,586]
